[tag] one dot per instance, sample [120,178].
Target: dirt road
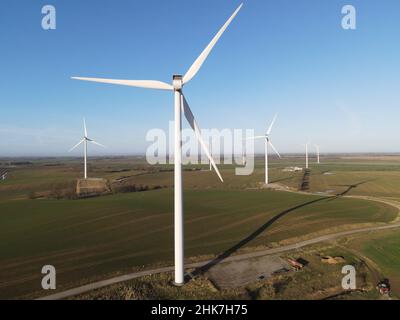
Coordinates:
[104,283]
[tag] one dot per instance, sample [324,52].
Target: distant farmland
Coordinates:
[91,239]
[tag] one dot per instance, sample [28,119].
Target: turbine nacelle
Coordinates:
[267,138]
[177,82]
[86,138]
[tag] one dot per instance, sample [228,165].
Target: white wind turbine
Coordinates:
[181,105]
[268,143]
[243,154]
[306,145]
[85,141]
[318,154]
[211,154]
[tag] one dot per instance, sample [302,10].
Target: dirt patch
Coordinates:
[240,273]
[333,260]
[92,187]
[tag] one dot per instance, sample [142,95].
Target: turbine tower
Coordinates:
[211,154]
[85,141]
[318,154]
[181,105]
[268,142]
[307,155]
[243,154]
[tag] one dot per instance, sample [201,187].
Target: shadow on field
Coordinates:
[283,179]
[349,188]
[249,238]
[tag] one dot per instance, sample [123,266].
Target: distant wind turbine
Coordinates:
[211,155]
[268,142]
[307,155]
[181,105]
[318,154]
[85,140]
[243,154]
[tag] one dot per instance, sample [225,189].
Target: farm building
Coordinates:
[298,264]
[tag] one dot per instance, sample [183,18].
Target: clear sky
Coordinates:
[334,87]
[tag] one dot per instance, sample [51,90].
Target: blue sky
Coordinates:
[334,87]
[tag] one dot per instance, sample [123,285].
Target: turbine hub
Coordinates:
[177,82]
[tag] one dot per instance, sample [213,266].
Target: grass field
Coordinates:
[89,239]
[383,249]
[314,282]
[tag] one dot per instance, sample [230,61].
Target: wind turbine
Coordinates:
[317,148]
[181,105]
[85,141]
[307,154]
[243,154]
[268,142]
[211,154]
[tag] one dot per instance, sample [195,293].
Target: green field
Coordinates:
[368,177]
[93,238]
[383,249]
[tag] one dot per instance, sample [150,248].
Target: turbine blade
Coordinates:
[272,124]
[256,137]
[84,125]
[99,144]
[203,56]
[192,121]
[273,148]
[77,145]
[148,84]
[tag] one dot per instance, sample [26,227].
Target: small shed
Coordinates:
[298,264]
